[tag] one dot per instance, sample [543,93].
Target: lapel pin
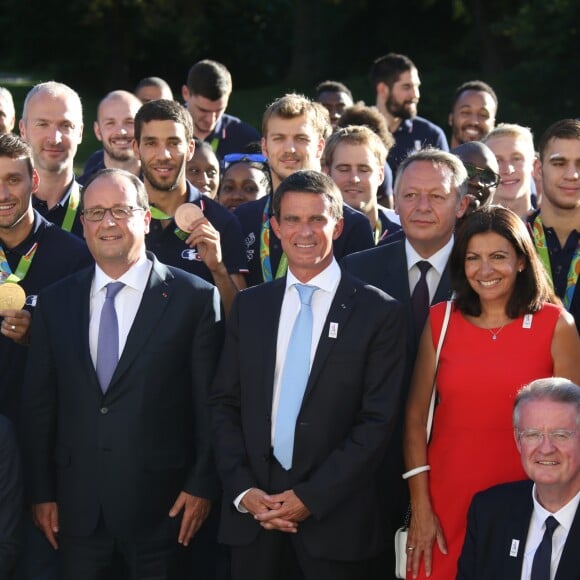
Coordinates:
[333,330]
[343,306]
[164,294]
[514,548]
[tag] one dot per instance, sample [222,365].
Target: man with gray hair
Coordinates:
[430,196]
[7,114]
[52,124]
[531,529]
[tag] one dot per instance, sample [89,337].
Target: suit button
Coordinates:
[303,424]
[104,410]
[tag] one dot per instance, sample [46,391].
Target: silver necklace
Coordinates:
[494,334]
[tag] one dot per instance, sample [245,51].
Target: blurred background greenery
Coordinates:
[527,50]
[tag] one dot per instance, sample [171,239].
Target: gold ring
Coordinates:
[13,327]
[410,548]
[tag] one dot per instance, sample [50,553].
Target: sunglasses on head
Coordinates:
[232,158]
[486,177]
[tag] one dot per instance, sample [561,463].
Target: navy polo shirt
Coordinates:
[173,251]
[412,135]
[56,213]
[233,135]
[94,163]
[58,254]
[560,260]
[389,227]
[356,236]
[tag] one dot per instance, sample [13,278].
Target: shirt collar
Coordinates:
[438,260]
[135,277]
[194,195]
[565,515]
[327,280]
[38,226]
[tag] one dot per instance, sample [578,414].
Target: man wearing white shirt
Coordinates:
[120,364]
[304,403]
[531,529]
[429,191]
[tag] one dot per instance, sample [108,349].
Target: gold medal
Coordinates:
[12,296]
[185,215]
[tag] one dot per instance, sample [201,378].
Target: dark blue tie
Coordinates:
[543,555]
[420,298]
[294,378]
[108,344]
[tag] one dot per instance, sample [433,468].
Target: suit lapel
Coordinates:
[517,529]
[568,568]
[339,312]
[443,291]
[156,297]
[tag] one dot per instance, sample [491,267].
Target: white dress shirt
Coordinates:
[327,282]
[438,262]
[565,517]
[127,301]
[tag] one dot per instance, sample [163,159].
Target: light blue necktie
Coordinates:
[108,343]
[294,378]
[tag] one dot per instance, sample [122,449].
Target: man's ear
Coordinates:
[97,131]
[185,93]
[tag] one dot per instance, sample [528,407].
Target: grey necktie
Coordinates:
[108,343]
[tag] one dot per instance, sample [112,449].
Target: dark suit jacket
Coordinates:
[496,517]
[131,451]
[345,421]
[10,499]
[386,268]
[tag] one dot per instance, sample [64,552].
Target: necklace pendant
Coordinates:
[494,337]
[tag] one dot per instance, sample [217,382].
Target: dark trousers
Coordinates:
[100,555]
[283,556]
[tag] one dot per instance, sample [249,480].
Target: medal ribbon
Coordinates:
[378,231]
[265,249]
[544,255]
[24,263]
[71,208]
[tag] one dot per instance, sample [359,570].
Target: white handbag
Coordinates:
[402,533]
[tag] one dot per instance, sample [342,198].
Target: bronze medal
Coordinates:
[186,214]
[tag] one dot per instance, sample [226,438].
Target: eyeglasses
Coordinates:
[232,158]
[486,177]
[119,212]
[536,437]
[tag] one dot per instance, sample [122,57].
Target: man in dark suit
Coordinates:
[531,529]
[10,499]
[429,196]
[116,437]
[317,508]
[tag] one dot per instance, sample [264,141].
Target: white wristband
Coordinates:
[416,471]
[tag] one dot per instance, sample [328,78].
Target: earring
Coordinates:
[520,270]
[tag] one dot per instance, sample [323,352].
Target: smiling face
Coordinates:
[404,95]
[552,466]
[241,183]
[291,145]
[491,267]
[515,158]
[164,150]
[115,126]
[306,228]
[116,244]
[473,117]
[53,127]
[356,172]
[203,170]
[560,170]
[16,188]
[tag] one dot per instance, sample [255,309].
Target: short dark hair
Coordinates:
[163,110]
[332,87]
[309,181]
[209,79]
[14,147]
[532,288]
[142,197]
[360,114]
[387,69]
[157,82]
[554,389]
[474,86]
[563,129]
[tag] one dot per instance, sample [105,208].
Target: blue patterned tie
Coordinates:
[543,556]
[108,344]
[294,378]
